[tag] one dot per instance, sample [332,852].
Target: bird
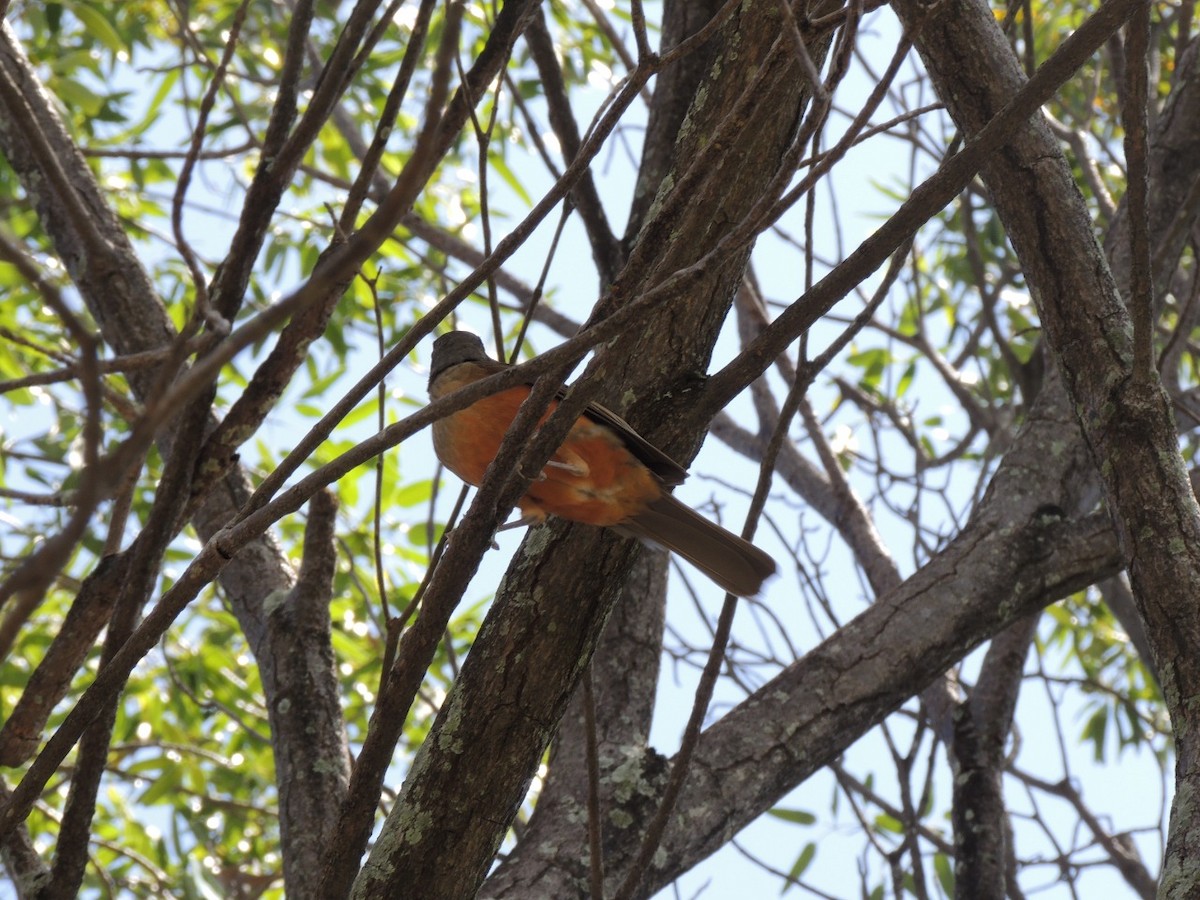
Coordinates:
[604,473]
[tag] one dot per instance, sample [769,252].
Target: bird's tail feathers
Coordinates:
[733,563]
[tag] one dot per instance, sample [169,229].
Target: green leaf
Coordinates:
[798,816]
[884,822]
[802,862]
[152,114]
[78,97]
[418,534]
[413,494]
[368,409]
[98,26]
[874,358]
[497,162]
[307,409]
[944,870]
[163,788]
[1095,730]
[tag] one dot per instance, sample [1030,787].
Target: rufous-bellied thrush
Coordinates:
[604,473]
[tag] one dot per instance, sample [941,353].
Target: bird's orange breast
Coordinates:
[591,478]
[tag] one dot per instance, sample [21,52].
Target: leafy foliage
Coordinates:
[912,418]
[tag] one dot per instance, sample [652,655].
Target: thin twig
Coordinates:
[184,179]
[1141,289]
[637,18]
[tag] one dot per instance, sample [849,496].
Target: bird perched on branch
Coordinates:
[604,473]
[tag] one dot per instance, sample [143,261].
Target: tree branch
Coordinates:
[312,781]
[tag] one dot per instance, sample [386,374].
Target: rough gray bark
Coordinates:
[300,634]
[625,668]
[980,732]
